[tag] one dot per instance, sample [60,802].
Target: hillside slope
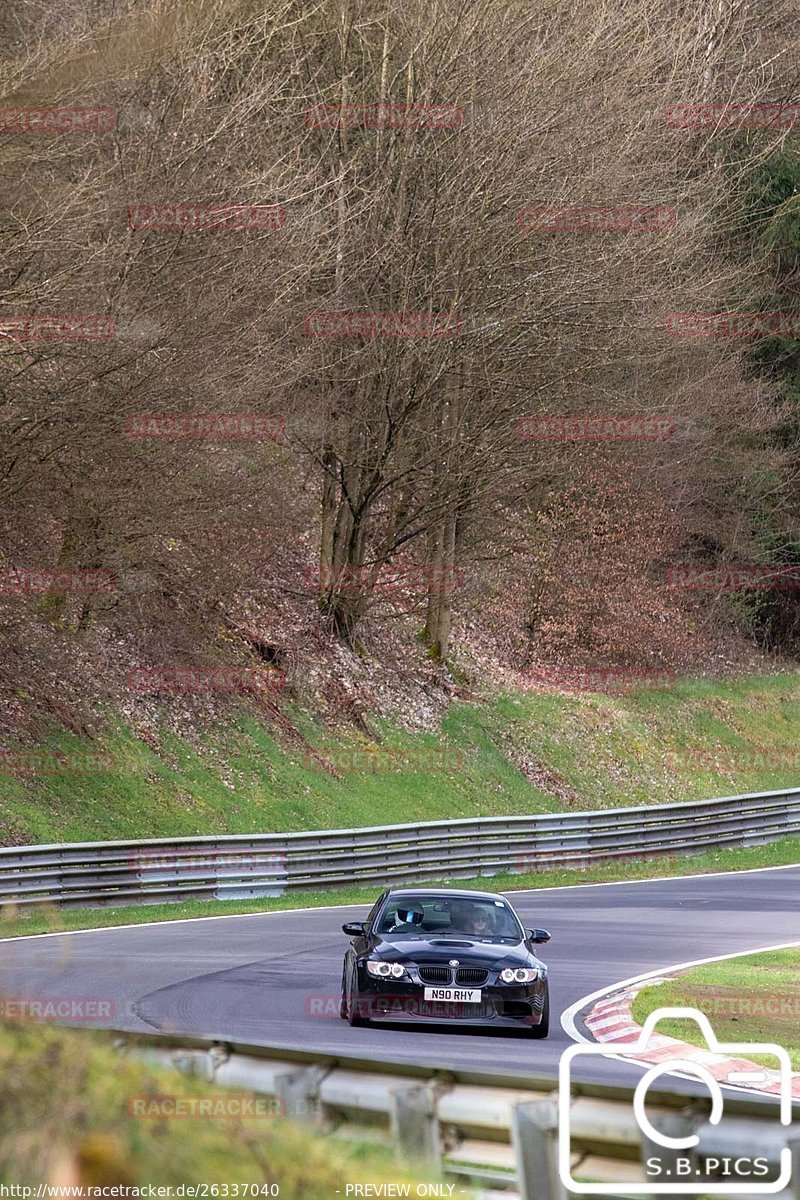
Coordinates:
[508,753]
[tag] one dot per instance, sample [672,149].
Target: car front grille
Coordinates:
[452,1011]
[517,1009]
[473,976]
[435,974]
[465,976]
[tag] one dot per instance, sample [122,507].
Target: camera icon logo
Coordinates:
[680,1163]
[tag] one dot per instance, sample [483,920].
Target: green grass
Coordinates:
[581,751]
[240,779]
[754,998]
[67,1118]
[49,920]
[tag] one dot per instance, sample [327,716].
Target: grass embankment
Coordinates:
[50,920]
[69,1116]
[755,998]
[583,750]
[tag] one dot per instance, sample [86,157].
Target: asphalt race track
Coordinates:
[262,978]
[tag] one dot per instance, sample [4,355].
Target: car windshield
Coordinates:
[417,915]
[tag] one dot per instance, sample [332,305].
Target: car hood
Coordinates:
[442,949]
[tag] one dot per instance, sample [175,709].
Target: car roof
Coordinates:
[460,892]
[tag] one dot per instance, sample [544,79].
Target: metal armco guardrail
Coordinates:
[244,866]
[497,1133]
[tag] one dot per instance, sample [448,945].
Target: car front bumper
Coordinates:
[509,1005]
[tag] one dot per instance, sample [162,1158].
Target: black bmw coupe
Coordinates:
[444,957]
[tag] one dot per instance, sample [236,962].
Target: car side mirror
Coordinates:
[354,929]
[538,936]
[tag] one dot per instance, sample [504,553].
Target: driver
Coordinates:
[409,917]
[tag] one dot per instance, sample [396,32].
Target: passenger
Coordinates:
[479,924]
[472,919]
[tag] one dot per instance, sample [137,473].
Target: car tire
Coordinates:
[353,1017]
[343,997]
[543,1028]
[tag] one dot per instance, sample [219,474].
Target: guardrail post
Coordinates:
[297,1092]
[794,1182]
[414,1122]
[534,1136]
[677,1124]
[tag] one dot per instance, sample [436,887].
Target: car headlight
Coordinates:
[385,970]
[522,974]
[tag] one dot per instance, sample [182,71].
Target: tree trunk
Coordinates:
[441,580]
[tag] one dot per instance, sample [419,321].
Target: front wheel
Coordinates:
[543,1028]
[353,1015]
[343,996]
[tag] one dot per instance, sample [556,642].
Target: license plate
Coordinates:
[454,995]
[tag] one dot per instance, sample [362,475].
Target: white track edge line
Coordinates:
[569,1014]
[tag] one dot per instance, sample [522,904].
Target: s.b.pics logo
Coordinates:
[682,1151]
